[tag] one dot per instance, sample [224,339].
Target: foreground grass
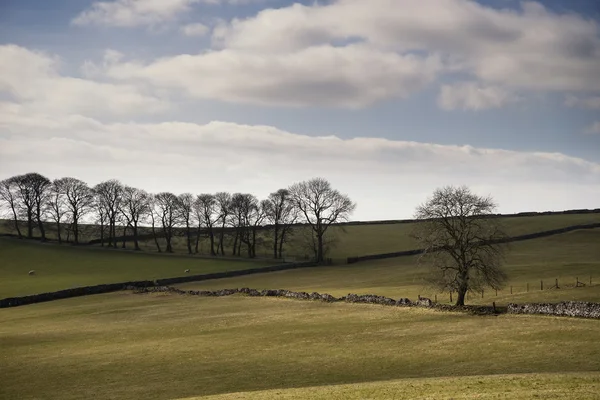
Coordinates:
[63,267]
[564,257]
[127,346]
[581,386]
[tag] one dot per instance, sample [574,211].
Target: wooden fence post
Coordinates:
[557,283]
[482,293]
[451,296]
[528,286]
[511,290]
[541,285]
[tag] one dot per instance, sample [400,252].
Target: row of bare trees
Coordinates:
[118,210]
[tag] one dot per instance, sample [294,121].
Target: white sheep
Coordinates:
[187,271]
[32,272]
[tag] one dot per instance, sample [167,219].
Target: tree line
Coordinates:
[118,208]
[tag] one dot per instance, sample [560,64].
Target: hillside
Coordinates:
[360,239]
[564,257]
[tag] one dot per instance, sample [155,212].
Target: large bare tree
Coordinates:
[166,209]
[108,201]
[206,209]
[79,201]
[56,205]
[135,207]
[9,194]
[282,213]
[186,216]
[223,200]
[321,206]
[32,191]
[463,244]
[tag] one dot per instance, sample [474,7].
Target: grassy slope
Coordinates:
[129,346]
[566,257]
[62,267]
[580,386]
[357,240]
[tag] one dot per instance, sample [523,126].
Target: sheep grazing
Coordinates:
[187,271]
[32,272]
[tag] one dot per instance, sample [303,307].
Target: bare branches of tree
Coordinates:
[463,245]
[206,208]
[321,206]
[135,207]
[9,196]
[108,201]
[282,212]
[79,201]
[166,210]
[185,213]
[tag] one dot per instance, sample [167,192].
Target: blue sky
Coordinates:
[501,95]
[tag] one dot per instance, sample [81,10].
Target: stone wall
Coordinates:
[566,308]
[114,287]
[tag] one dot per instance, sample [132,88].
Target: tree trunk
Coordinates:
[136,242]
[75,228]
[154,234]
[235,243]
[463,287]
[320,256]
[58,231]
[211,236]
[12,206]
[29,224]
[41,223]
[197,239]
[124,236]
[275,243]
[189,238]
[101,232]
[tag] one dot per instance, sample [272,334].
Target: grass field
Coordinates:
[62,267]
[126,346]
[565,257]
[358,240]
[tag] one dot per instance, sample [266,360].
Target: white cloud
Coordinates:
[590,102]
[33,78]
[532,48]
[387,178]
[593,129]
[351,76]
[196,29]
[130,13]
[473,96]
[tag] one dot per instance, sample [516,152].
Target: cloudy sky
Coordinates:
[388,99]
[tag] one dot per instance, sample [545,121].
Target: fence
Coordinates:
[541,285]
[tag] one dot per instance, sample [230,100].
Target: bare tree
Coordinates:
[223,200]
[206,209]
[9,194]
[152,213]
[135,207]
[186,216]
[108,198]
[79,200]
[32,191]
[321,206]
[282,213]
[166,208]
[462,244]
[56,205]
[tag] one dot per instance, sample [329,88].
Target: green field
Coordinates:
[127,346]
[160,346]
[565,257]
[62,267]
[357,240]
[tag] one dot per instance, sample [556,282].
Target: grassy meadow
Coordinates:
[160,346]
[157,346]
[565,257]
[62,267]
[350,240]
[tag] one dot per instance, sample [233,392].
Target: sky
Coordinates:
[387,99]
